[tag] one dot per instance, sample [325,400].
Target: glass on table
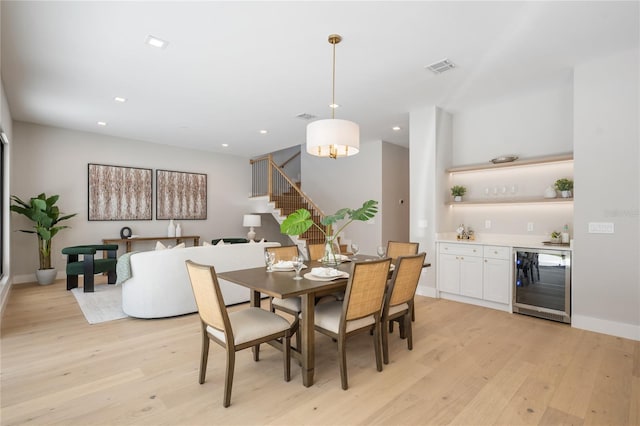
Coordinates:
[298,263]
[269,259]
[355,248]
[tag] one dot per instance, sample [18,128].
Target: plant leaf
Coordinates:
[297,222]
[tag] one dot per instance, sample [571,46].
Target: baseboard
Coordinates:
[619,329]
[426,291]
[31,278]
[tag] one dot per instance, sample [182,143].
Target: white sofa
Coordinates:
[159,285]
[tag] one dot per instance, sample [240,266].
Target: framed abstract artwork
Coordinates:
[181,195]
[120,193]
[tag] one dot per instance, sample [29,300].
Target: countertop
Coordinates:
[525,241]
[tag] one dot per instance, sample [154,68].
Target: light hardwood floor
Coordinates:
[469,366]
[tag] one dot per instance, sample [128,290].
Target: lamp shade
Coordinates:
[333,138]
[253,220]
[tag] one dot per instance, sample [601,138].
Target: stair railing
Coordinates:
[267,179]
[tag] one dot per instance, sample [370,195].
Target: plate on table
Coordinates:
[285,266]
[340,258]
[325,274]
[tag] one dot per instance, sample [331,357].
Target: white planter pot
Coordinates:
[457,198]
[46,276]
[565,194]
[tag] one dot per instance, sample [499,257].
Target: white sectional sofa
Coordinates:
[159,285]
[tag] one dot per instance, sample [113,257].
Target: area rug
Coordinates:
[104,304]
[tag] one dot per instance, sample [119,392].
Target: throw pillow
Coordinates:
[220,243]
[251,242]
[160,246]
[206,243]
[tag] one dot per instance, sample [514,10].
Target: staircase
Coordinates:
[285,197]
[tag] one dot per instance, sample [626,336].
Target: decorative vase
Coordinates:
[178,230]
[171,229]
[46,276]
[550,192]
[331,250]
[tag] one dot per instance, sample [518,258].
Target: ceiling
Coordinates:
[232,69]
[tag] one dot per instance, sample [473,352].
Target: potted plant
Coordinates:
[556,237]
[300,221]
[565,186]
[457,191]
[45,215]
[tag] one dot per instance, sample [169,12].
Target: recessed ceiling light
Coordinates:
[396,128]
[120,99]
[102,123]
[156,42]
[334,106]
[224,145]
[264,132]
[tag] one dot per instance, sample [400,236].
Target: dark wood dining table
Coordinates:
[282,285]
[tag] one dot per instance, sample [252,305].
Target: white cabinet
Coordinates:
[496,276]
[475,273]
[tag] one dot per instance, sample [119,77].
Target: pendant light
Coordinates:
[333,138]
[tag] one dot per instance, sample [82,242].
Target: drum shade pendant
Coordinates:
[333,138]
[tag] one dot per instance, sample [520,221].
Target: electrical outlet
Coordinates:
[487,224]
[601,228]
[530,226]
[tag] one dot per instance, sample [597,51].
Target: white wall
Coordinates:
[6,124]
[606,290]
[395,192]
[54,160]
[528,124]
[348,182]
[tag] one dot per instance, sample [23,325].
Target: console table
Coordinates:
[129,241]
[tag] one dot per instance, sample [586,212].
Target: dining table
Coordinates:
[281,284]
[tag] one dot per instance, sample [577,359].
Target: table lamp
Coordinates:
[251,220]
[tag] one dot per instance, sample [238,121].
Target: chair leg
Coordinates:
[342,360]
[72,282]
[204,356]
[286,350]
[111,277]
[88,283]
[385,340]
[376,343]
[403,329]
[228,379]
[256,353]
[413,310]
[409,332]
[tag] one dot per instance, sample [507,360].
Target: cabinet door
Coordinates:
[471,276]
[449,273]
[497,280]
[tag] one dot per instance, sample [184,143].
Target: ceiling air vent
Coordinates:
[305,116]
[441,66]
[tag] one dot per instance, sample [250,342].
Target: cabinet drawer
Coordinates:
[461,249]
[497,252]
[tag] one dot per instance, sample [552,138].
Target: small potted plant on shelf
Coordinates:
[457,191]
[45,215]
[556,237]
[565,186]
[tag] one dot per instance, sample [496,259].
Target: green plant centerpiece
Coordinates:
[457,191]
[565,186]
[300,221]
[45,215]
[555,237]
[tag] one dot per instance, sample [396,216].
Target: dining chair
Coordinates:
[236,330]
[315,251]
[399,248]
[360,310]
[399,299]
[290,305]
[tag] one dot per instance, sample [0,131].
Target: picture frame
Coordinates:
[181,195]
[119,193]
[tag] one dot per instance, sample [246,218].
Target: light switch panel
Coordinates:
[601,228]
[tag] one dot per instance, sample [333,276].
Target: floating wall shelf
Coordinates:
[518,163]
